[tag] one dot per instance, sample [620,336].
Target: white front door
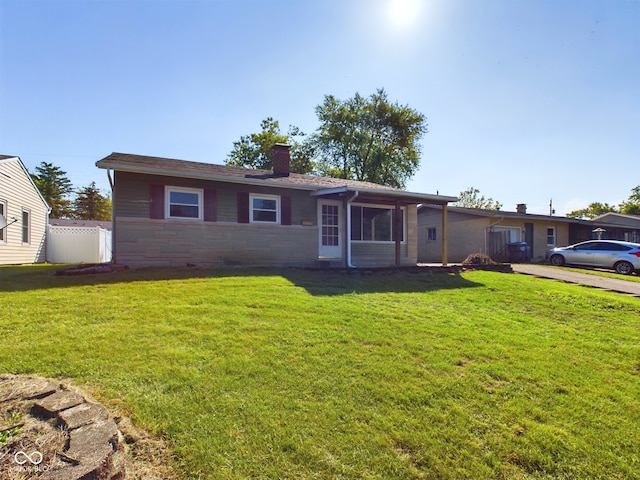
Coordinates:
[330,229]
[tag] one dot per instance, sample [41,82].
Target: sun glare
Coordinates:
[402,13]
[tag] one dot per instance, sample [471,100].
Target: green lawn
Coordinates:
[320,375]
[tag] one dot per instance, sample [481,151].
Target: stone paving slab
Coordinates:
[94,449]
[12,388]
[82,414]
[50,405]
[97,466]
[83,439]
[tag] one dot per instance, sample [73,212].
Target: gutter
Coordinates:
[349,201]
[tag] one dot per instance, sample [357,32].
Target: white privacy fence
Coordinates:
[78,245]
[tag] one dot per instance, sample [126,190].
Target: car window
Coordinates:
[586,246]
[614,247]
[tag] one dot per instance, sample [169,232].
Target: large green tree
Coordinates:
[55,187]
[255,150]
[90,204]
[369,139]
[471,198]
[632,205]
[593,210]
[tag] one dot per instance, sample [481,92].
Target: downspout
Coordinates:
[445,236]
[113,216]
[355,195]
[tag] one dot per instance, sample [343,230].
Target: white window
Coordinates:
[371,223]
[551,236]
[431,234]
[26,226]
[3,212]
[184,203]
[264,208]
[330,233]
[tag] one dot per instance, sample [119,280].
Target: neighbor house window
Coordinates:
[264,208]
[3,212]
[551,236]
[184,203]
[431,234]
[26,226]
[375,224]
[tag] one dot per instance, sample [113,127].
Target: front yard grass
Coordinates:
[313,375]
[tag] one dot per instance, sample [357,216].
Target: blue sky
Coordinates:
[526,100]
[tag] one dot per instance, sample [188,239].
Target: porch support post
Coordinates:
[444,235]
[397,228]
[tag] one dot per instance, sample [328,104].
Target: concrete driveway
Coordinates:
[613,284]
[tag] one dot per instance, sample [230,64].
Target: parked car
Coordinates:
[623,257]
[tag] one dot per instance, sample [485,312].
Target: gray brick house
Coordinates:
[175,212]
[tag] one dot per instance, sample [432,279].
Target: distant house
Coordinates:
[503,235]
[175,212]
[618,226]
[23,215]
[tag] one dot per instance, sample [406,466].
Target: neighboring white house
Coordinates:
[24,215]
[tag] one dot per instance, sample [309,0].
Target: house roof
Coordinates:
[598,221]
[208,171]
[618,218]
[479,212]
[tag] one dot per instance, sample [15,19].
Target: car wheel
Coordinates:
[557,260]
[624,268]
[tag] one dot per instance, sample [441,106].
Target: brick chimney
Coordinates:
[281,160]
[521,208]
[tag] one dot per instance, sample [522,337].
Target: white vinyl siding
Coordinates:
[20,195]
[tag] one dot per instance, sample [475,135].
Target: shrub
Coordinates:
[479,259]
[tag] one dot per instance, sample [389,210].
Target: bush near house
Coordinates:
[478,259]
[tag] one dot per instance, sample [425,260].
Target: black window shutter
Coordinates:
[285,210]
[243,207]
[210,205]
[156,203]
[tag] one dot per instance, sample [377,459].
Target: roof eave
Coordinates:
[412,197]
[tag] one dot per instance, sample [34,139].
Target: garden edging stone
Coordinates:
[94,447]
